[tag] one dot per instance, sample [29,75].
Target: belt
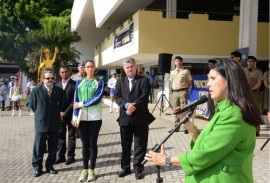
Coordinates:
[228,168]
[179,89]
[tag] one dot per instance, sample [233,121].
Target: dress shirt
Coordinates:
[130,87]
[49,89]
[64,83]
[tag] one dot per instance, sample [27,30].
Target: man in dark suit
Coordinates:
[46,101]
[132,95]
[68,85]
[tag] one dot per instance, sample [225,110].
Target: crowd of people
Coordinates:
[221,151]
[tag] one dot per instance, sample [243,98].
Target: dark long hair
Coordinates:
[238,89]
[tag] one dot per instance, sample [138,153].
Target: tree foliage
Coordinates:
[18,18]
[55,32]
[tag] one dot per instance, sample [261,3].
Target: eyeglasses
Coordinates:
[231,57]
[52,78]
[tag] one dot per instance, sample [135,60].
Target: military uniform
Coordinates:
[76,77]
[180,79]
[253,76]
[266,91]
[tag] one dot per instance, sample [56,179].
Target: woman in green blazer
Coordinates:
[223,151]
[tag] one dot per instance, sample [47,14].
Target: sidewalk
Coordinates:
[16,143]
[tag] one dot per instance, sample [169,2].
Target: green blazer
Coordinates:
[223,151]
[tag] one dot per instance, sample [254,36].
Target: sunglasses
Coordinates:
[52,78]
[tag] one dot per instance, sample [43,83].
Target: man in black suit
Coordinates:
[68,85]
[46,101]
[132,95]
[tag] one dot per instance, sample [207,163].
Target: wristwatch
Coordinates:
[168,160]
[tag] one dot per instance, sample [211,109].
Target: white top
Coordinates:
[64,83]
[10,85]
[112,83]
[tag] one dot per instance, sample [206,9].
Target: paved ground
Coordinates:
[16,142]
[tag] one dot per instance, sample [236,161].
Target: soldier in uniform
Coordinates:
[80,75]
[266,81]
[181,81]
[236,56]
[255,78]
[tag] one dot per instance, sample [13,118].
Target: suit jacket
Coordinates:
[69,97]
[223,151]
[139,95]
[47,109]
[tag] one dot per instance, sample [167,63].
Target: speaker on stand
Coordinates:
[164,66]
[164,63]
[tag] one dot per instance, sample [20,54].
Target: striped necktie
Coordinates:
[49,91]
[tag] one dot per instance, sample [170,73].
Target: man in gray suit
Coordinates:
[46,101]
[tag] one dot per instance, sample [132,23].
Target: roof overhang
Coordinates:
[96,19]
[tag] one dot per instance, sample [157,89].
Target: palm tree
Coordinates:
[55,32]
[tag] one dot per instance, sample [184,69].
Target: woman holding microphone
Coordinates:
[223,151]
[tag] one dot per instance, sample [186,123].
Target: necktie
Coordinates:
[130,84]
[49,91]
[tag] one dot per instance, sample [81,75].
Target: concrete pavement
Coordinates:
[16,143]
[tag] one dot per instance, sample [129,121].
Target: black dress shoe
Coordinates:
[52,171]
[138,174]
[124,173]
[60,160]
[37,173]
[70,161]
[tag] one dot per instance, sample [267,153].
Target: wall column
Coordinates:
[171,8]
[171,11]
[248,25]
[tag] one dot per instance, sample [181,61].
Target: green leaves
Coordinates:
[27,26]
[54,32]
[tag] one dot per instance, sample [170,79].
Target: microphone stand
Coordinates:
[156,148]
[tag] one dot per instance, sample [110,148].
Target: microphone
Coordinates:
[192,105]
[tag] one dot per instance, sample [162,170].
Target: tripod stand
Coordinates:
[161,98]
[156,148]
[265,143]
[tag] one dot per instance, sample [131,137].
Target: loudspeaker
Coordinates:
[164,62]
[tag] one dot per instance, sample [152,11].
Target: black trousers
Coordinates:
[62,145]
[140,134]
[40,146]
[88,131]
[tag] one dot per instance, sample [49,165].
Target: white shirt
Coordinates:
[64,83]
[112,83]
